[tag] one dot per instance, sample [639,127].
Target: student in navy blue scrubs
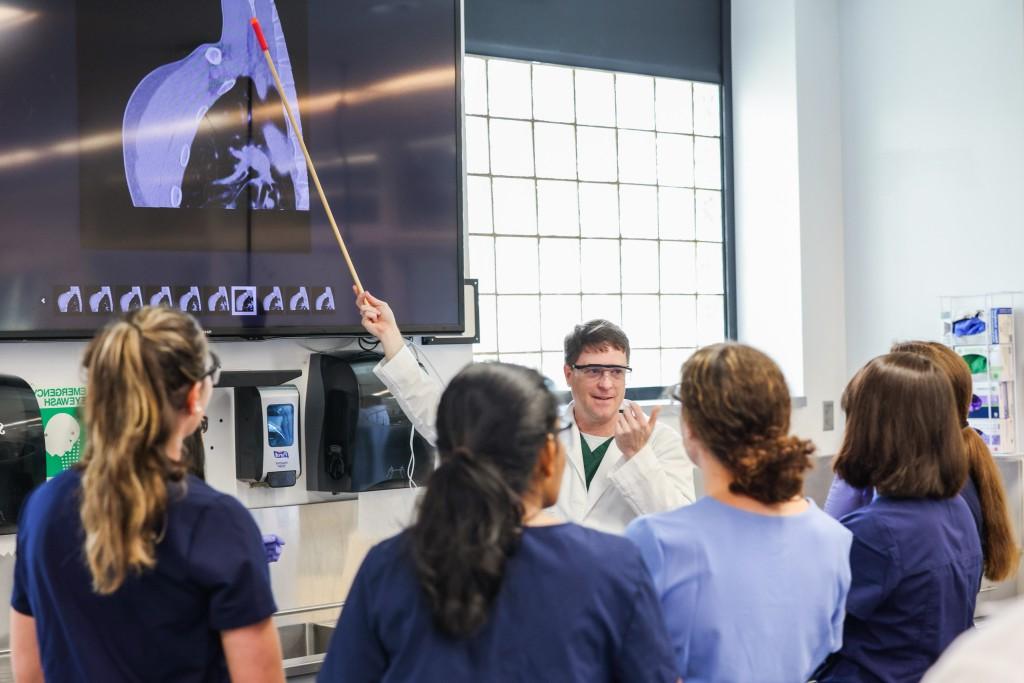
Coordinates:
[127,568]
[487,587]
[983,492]
[916,558]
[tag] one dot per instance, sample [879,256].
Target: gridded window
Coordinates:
[593,194]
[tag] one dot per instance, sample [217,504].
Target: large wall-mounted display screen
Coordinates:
[146,158]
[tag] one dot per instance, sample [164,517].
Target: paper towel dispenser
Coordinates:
[357,437]
[22,449]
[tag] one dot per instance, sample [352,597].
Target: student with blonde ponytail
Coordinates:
[753,577]
[485,586]
[128,568]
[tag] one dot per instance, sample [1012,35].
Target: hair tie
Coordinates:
[965,425]
[462,452]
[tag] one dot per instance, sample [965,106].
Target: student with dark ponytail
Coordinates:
[753,577]
[485,586]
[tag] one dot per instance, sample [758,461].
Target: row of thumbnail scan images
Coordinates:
[224,300]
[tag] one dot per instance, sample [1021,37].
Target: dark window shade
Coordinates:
[672,38]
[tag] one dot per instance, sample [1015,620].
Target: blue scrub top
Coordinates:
[747,597]
[970,495]
[211,575]
[916,570]
[574,605]
[843,499]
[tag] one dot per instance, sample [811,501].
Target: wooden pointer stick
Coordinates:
[309,160]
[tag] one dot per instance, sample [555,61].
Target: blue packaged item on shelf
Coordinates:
[965,327]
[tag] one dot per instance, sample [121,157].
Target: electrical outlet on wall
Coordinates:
[828,422]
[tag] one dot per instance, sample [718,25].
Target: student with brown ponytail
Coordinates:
[753,577]
[127,568]
[916,558]
[983,492]
[485,586]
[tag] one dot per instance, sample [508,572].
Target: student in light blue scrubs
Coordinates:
[485,586]
[916,557]
[753,577]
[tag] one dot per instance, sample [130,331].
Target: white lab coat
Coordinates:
[659,477]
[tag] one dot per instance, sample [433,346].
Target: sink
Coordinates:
[304,640]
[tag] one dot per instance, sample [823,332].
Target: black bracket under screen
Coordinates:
[256,378]
[471,334]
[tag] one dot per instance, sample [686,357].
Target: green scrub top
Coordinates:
[592,458]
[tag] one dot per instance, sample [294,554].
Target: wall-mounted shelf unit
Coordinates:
[982,329]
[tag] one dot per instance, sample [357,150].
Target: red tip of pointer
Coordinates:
[259,33]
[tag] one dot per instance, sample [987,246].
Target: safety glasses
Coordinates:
[594,372]
[214,372]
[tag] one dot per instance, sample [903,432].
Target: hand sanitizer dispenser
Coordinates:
[267,435]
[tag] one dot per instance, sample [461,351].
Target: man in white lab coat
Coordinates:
[621,464]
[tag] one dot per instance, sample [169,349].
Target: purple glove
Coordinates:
[272,546]
[844,499]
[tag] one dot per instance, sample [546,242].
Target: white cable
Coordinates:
[411,467]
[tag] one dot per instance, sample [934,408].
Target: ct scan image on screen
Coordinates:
[146,159]
[205,131]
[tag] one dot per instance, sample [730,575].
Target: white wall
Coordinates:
[879,166]
[933,160]
[767,182]
[789,223]
[932,96]
[821,219]
[49,364]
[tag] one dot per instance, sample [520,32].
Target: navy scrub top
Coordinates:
[916,566]
[211,575]
[970,495]
[574,605]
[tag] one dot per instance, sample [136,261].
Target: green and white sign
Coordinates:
[62,426]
